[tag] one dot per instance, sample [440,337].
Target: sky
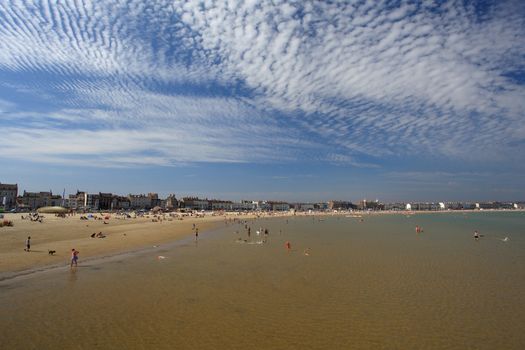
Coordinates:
[259,99]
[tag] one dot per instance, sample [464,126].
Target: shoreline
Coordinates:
[63,234]
[17,275]
[125,237]
[121,236]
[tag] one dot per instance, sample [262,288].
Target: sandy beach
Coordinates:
[63,234]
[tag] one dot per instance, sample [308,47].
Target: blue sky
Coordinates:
[294,100]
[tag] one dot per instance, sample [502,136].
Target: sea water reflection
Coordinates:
[370,284]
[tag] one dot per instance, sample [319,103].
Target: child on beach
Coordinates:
[74,257]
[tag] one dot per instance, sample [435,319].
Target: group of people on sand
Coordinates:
[98,235]
[33,217]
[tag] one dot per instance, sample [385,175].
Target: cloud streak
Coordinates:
[172,82]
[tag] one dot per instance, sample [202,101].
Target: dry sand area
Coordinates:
[63,234]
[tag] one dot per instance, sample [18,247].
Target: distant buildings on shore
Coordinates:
[8,194]
[83,201]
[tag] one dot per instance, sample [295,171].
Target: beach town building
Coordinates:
[395,206]
[8,194]
[154,199]
[262,205]
[420,206]
[105,201]
[221,205]
[279,206]
[340,205]
[493,205]
[35,200]
[194,203]
[321,206]
[370,205]
[91,201]
[453,205]
[75,201]
[302,206]
[83,201]
[121,202]
[139,201]
[243,205]
[171,202]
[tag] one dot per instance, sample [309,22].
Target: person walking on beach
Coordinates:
[28,244]
[476,235]
[196,234]
[74,257]
[288,246]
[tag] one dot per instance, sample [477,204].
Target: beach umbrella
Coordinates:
[156,209]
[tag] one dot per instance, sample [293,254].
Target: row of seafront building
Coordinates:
[83,201]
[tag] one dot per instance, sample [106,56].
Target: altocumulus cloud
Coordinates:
[167,82]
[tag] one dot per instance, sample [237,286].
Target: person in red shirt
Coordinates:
[74,257]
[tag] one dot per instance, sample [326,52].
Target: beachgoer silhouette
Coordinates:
[28,244]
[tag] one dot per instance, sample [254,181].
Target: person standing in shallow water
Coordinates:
[74,257]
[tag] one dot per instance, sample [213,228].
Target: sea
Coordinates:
[369,282]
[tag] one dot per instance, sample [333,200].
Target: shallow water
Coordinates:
[371,284]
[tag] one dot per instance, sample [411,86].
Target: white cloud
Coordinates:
[171,76]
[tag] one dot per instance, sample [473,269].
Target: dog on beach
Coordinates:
[51,252]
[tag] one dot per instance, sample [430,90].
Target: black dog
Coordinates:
[51,252]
